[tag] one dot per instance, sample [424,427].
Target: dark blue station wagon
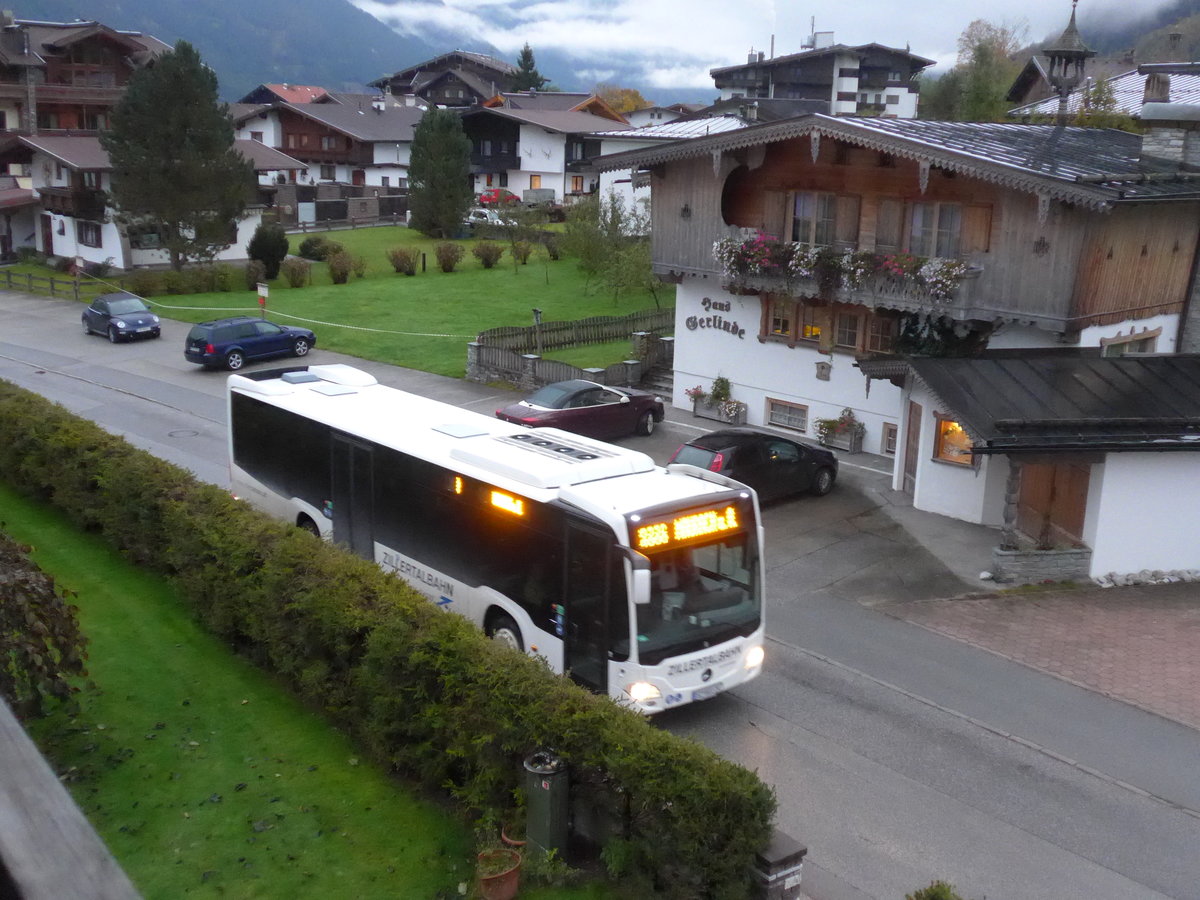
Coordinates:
[231,343]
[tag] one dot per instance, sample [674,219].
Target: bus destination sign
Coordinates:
[685,529]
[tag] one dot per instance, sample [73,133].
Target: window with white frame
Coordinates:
[88,233]
[822,219]
[1141,342]
[787,415]
[890,437]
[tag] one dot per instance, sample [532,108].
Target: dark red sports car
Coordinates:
[585,407]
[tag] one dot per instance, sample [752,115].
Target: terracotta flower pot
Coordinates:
[499,873]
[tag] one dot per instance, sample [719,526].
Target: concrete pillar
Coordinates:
[777,868]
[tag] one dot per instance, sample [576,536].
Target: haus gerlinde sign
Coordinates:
[716,322]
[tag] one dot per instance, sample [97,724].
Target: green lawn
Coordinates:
[423,321]
[203,776]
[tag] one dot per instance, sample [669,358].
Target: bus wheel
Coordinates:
[304,523]
[505,631]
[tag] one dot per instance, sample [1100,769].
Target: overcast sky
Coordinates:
[673,43]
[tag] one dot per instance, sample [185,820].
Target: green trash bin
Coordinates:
[546,795]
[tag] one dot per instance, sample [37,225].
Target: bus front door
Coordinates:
[585,647]
[352,492]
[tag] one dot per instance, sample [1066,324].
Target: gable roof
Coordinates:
[1065,400]
[84,153]
[1128,90]
[561,121]
[679,129]
[832,49]
[52,37]
[1092,167]
[363,123]
[577,101]
[291,93]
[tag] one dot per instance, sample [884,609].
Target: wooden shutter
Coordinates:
[846,226]
[774,214]
[977,229]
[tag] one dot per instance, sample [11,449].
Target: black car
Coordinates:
[773,465]
[122,316]
[233,342]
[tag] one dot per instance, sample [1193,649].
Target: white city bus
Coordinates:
[642,582]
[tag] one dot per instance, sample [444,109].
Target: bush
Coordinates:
[200,279]
[62,263]
[143,282]
[424,692]
[359,265]
[174,282]
[30,254]
[938,890]
[319,248]
[553,246]
[98,269]
[340,263]
[224,278]
[488,253]
[448,255]
[522,250]
[255,272]
[296,271]
[269,246]
[404,259]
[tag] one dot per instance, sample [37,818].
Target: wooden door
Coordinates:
[912,446]
[47,235]
[1051,503]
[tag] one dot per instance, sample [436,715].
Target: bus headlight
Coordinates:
[642,691]
[754,657]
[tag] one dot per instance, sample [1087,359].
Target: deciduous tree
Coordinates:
[439,194]
[174,164]
[621,99]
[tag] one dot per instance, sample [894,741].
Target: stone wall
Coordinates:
[1038,566]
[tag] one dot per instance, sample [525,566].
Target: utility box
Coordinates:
[546,802]
[537,196]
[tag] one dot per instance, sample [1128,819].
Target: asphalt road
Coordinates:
[899,756]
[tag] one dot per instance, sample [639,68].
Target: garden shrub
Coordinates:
[224,278]
[62,263]
[30,254]
[143,282]
[448,255]
[359,265]
[339,263]
[319,248]
[421,690]
[200,279]
[174,282]
[98,269]
[521,250]
[255,273]
[269,245]
[404,259]
[488,253]
[938,890]
[297,271]
[553,246]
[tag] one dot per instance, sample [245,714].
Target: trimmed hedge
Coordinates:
[421,689]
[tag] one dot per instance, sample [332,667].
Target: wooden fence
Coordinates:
[344,224]
[593,330]
[529,370]
[69,288]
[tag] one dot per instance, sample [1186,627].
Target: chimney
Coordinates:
[752,58]
[1172,129]
[761,55]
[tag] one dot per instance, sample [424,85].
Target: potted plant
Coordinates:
[845,432]
[499,871]
[716,403]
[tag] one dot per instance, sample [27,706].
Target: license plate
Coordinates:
[144,328]
[707,691]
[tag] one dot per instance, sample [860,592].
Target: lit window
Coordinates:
[781,317]
[787,415]
[535,182]
[952,444]
[809,328]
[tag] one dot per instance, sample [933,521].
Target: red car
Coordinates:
[497,196]
[585,407]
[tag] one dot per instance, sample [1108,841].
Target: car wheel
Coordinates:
[505,631]
[301,347]
[113,334]
[234,360]
[304,523]
[645,424]
[87,329]
[822,482]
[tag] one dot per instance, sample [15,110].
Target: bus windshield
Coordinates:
[699,595]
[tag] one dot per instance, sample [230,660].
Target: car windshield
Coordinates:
[699,595]
[552,396]
[694,456]
[125,306]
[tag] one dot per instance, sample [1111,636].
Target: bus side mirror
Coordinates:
[640,565]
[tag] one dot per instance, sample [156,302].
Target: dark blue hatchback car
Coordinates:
[231,343]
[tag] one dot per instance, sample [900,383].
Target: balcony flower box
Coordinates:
[731,412]
[843,433]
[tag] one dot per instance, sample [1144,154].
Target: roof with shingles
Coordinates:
[52,37]
[1128,89]
[1092,167]
[680,129]
[85,154]
[564,121]
[363,123]
[1064,399]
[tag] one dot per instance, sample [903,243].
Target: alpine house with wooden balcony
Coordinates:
[807,251]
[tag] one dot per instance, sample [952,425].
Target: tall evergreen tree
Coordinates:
[527,77]
[439,193]
[174,165]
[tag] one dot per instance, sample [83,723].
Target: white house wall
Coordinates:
[758,371]
[235,252]
[1012,336]
[542,153]
[1136,519]
[267,124]
[621,180]
[968,493]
